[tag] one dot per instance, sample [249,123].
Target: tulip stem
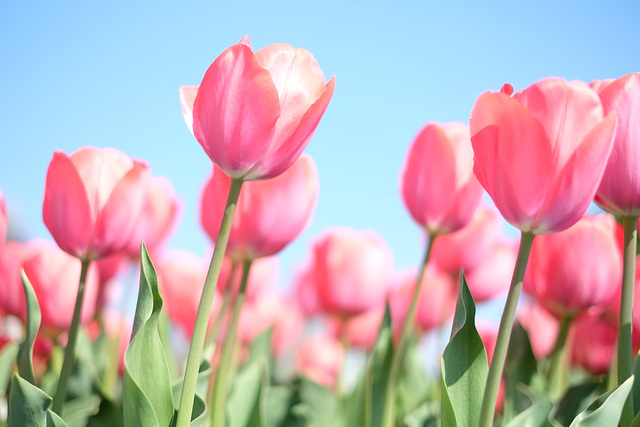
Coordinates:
[556,375]
[625,353]
[222,372]
[69,351]
[504,332]
[389,411]
[204,309]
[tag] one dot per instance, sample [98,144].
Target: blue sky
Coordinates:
[107,74]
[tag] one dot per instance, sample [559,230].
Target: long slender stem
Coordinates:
[69,351]
[504,332]
[389,411]
[220,386]
[625,355]
[556,376]
[204,309]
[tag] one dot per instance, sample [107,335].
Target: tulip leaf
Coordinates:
[247,402]
[279,400]
[536,415]
[318,405]
[520,367]
[635,391]
[8,355]
[77,411]
[464,365]
[577,399]
[606,409]
[199,403]
[146,385]
[25,354]
[29,406]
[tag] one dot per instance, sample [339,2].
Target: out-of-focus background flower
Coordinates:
[107,74]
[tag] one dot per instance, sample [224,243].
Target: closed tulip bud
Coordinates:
[320,358]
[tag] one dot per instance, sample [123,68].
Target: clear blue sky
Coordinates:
[107,73]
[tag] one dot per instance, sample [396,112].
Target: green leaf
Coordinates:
[317,405]
[425,415]
[606,409]
[77,411]
[146,385]
[202,383]
[413,384]
[261,347]
[8,355]
[635,391]
[536,415]
[464,365]
[520,367]
[577,399]
[279,401]
[25,354]
[247,402]
[29,406]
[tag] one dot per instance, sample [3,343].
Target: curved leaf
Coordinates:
[29,406]
[25,354]
[606,409]
[247,401]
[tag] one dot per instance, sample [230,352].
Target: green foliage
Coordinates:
[464,365]
[29,406]
[606,409]
[25,354]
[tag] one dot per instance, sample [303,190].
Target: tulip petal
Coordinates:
[187,97]
[235,110]
[66,211]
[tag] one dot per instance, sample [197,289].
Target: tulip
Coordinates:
[594,343]
[92,200]
[319,359]
[541,326]
[54,277]
[304,289]
[12,300]
[255,112]
[269,215]
[438,186]
[493,275]
[359,331]
[541,153]
[157,218]
[352,271]
[577,269]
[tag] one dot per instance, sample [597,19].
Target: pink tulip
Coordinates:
[361,330]
[352,270]
[3,221]
[12,300]
[541,153]
[255,112]
[319,359]
[436,301]
[263,277]
[304,289]
[438,186]
[467,247]
[577,269]
[493,276]
[269,215]
[92,200]
[54,276]
[541,326]
[157,218]
[181,277]
[594,343]
[108,268]
[619,191]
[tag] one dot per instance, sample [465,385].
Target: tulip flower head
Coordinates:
[93,199]
[255,112]
[438,185]
[541,153]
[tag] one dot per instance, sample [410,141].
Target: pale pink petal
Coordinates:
[187,97]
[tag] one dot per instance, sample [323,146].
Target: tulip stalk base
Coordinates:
[389,411]
[504,331]
[69,351]
[204,309]
[625,352]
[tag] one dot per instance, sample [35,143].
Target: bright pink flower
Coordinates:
[493,276]
[181,278]
[319,359]
[54,276]
[541,153]
[594,343]
[269,215]
[619,191]
[436,301]
[92,200]
[574,270]
[352,270]
[438,185]
[12,299]
[255,112]
[157,218]
[361,330]
[3,221]
[541,326]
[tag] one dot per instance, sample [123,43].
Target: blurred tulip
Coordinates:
[319,359]
[541,153]
[352,270]
[269,214]
[263,277]
[108,268]
[438,185]
[54,276]
[157,218]
[92,200]
[619,191]
[493,275]
[436,301]
[359,331]
[304,289]
[12,300]
[255,112]
[181,277]
[594,343]
[574,270]
[541,326]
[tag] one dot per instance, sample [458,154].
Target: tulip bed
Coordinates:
[259,356]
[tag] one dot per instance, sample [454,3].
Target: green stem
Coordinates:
[504,332]
[625,353]
[69,352]
[556,375]
[204,309]
[226,300]
[389,411]
[220,386]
